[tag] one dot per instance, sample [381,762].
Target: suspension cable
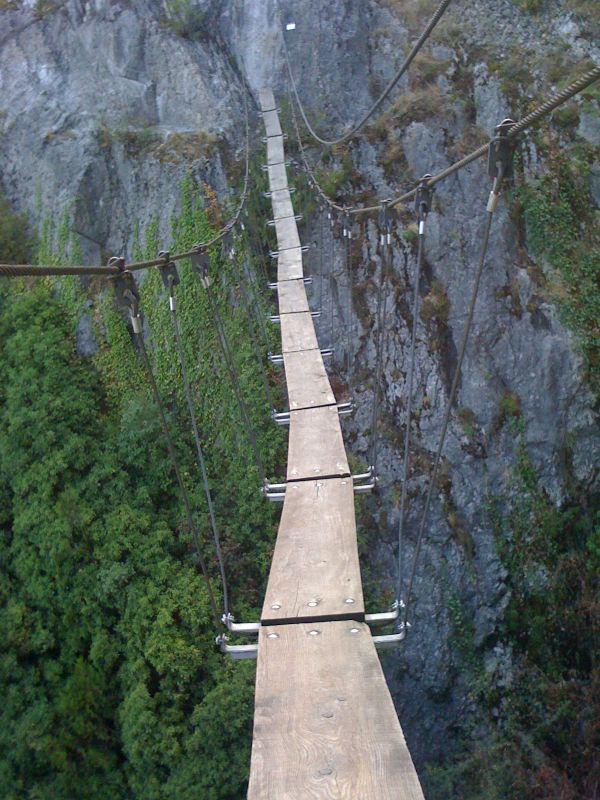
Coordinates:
[501,169]
[527,122]
[248,315]
[171,279]
[128,296]
[385,242]
[399,73]
[230,365]
[422,207]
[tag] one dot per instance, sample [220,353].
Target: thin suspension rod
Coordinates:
[199,452]
[177,471]
[381,323]
[235,384]
[399,73]
[453,390]
[409,400]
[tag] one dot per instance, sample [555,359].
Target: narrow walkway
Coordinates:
[325,725]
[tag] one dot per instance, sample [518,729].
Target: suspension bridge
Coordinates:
[325,725]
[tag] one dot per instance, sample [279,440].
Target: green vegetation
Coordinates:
[563,230]
[113,688]
[185,19]
[15,241]
[535,731]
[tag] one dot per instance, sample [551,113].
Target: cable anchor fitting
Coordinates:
[385,223]
[201,264]
[169,275]
[423,202]
[127,295]
[500,160]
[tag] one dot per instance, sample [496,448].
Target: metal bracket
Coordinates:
[290,189]
[265,139]
[243,628]
[127,294]
[390,639]
[283,417]
[277,358]
[236,652]
[275,492]
[168,271]
[272,222]
[276,253]
[501,151]
[201,265]
[274,285]
[423,201]
[386,617]
[265,167]
[276,318]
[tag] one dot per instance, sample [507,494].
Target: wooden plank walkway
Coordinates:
[315,559]
[325,727]
[298,332]
[292,297]
[316,447]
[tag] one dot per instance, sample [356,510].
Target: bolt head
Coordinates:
[349,600]
[275,606]
[272,636]
[314,633]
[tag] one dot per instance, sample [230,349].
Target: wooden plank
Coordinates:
[298,333]
[325,727]
[292,297]
[277,177]
[282,204]
[316,447]
[275,151]
[316,558]
[307,382]
[266,99]
[289,265]
[287,233]
[272,124]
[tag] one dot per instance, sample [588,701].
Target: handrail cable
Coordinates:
[226,352]
[385,242]
[129,297]
[394,80]
[422,207]
[171,279]
[545,108]
[501,171]
[524,124]
[259,358]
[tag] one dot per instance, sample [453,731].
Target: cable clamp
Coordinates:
[127,295]
[501,151]
[169,275]
[201,264]
[423,201]
[385,223]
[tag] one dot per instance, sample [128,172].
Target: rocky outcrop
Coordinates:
[104,106]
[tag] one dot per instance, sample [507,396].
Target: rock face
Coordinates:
[100,101]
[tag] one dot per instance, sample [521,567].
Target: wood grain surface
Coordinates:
[298,333]
[292,297]
[315,559]
[307,382]
[316,447]
[325,727]
[287,233]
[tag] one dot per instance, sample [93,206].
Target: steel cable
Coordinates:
[381,323]
[198,445]
[399,73]
[409,398]
[222,338]
[454,387]
[177,471]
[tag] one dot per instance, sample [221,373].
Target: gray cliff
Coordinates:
[100,103]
